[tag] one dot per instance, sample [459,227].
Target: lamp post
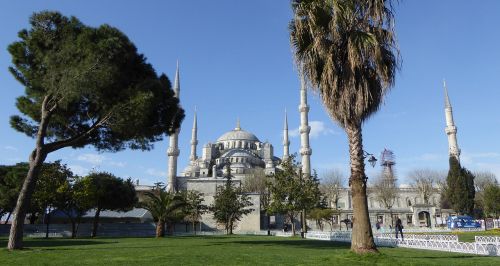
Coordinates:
[372,160]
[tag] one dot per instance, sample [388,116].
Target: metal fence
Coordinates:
[489,246]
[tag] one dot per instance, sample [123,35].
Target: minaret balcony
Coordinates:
[173,152]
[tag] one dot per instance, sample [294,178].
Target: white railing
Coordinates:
[495,240]
[449,238]
[340,236]
[450,243]
[281,233]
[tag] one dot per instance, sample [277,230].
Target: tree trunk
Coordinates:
[73,229]
[302,224]
[268,224]
[362,235]
[170,228]
[78,221]
[24,200]
[293,223]
[96,222]
[47,220]
[194,227]
[160,229]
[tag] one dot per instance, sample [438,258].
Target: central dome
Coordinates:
[237,134]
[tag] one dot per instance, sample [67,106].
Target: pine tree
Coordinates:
[460,190]
[230,204]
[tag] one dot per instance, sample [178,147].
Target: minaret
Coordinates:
[194,139]
[305,150]
[286,142]
[173,151]
[451,129]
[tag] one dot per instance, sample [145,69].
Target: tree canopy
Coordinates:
[93,85]
[108,192]
[11,179]
[230,204]
[84,86]
[291,192]
[460,190]
[163,205]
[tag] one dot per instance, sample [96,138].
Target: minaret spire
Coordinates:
[451,129]
[194,138]
[446,98]
[177,85]
[286,142]
[173,150]
[305,150]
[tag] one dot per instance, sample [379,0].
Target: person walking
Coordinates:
[399,228]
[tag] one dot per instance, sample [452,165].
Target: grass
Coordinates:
[465,236]
[219,250]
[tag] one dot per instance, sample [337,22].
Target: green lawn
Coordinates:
[219,250]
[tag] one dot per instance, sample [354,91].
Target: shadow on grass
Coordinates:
[47,243]
[298,243]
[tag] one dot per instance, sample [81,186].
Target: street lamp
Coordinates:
[371,159]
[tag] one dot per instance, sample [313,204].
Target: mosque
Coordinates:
[248,155]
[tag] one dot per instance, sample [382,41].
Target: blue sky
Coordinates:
[236,61]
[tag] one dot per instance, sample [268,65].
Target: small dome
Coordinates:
[238,134]
[191,169]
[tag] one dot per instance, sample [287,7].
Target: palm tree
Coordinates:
[162,205]
[346,51]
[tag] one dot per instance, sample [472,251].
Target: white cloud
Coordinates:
[155,172]
[117,164]
[79,170]
[318,128]
[91,158]
[10,148]
[97,160]
[471,157]
[430,157]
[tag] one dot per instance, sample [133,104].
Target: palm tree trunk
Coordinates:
[160,229]
[23,201]
[362,236]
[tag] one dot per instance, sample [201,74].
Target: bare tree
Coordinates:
[482,180]
[331,184]
[257,182]
[426,182]
[385,190]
